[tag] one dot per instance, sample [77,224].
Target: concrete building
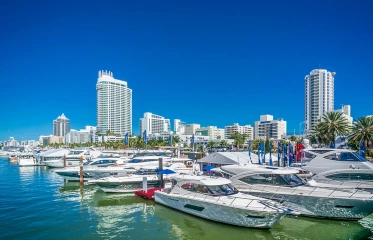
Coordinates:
[319,95]
[212,132]
[61,126]
[154,124]
[247,129]
[179,127]
[267,128]
[346,110]
[82,136]
[114,104]
[191,128]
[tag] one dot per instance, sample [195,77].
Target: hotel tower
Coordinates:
[319,95]
[114,104]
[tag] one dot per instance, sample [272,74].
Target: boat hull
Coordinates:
[220,212]
[59,163]
[28,162]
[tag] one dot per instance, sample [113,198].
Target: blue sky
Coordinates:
[207,62]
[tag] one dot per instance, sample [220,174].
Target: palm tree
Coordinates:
[223,143]
[210,144]
[362,130]
[333,124]
[293,138]
[317,135]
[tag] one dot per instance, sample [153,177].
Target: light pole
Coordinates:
[300,124]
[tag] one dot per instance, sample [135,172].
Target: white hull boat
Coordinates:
[199,196]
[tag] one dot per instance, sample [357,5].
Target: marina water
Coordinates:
[35,203]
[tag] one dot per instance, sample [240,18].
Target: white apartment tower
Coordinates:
[267,128]
[154,124]
[319,95]
[114,104]
[61,126]
[247,129]
[179,127]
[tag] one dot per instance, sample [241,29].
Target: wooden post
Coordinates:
[81,169]
[64,160]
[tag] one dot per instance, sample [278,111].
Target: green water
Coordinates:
[35,203]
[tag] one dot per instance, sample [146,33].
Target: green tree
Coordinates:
[200,149]
[223,143]
[267,145]
[362,130]
[238,139]
[293,138]
[333,124]
[210,144]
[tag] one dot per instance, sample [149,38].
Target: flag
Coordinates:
[170,141]
[144,137]
[263,152]
[362,149]
[332,145]
[126,139]
[299,148]
[285,154]
[270,153]
[278,154]
[290,154]
[249,148]
[259,152]
[192,142]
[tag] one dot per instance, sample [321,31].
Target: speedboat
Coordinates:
[134,181]
[73,173]
[284,186]
[214,198]
[73,158]
[13,157]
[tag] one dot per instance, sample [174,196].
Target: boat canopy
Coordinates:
[203,180]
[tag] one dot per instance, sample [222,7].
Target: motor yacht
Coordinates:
[284,186]
[28,159]
[134,181]
[73,173]
[214,198]
[73,158]
[320,160]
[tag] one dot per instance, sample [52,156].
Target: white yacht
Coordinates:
[52,154]
[73,158]
[129,166]
[214,198]
[73,173]
[28,159]
[134,181]
[284,186]
[325,159]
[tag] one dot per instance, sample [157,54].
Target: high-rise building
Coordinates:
[154,124]
[211,131]
[247,129]
[191,128]
[267,128]
[114,104]
[179,127]
[61,126]
[319,95]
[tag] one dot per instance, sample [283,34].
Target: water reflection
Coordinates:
[189,227]
[117,215]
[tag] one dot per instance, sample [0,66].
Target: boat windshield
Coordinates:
[359,157]
[215,190]
[219,190]
[291,180]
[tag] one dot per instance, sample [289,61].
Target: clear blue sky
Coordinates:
[208,62]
